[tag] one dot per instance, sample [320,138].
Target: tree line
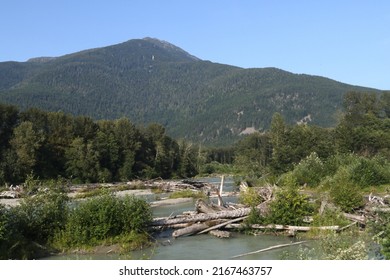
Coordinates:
[363,130]
[53,144]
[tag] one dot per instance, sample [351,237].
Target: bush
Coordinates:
[309,171]
[250,197]
[289,207]
[104,217]
[370,172]
[26,230]
[380,228]
[343,192]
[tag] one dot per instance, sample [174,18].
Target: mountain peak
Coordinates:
[168,46]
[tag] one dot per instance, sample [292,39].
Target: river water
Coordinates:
[202,247]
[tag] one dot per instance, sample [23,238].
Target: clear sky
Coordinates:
[345,40]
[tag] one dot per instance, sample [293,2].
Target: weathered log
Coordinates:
[379,209]
[189,230]
[220,233]
[347,226]
[283,227]
[202,217]
[203,207]
[222,224]
[220,201]
[355,218]
[9,194]
[269,249]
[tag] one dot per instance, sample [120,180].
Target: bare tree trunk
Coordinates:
[202,217]
[189,230]
[283,227]
[222,225]
[220,201]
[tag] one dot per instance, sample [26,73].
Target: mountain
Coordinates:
[149,80]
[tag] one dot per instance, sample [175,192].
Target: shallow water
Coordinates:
[201,247]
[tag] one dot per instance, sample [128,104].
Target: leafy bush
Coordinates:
[26,230]
[344,192]
[370,172]
[104,217]
[250,197]
[329,218]
[289,207]
[363,171]
[380,228]
[309,171]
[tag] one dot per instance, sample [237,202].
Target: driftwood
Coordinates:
[202,217]
[192,229]
[380,209]
[202,207]
[219,193]
[9,194]
[269,249]
[288,228]
[347,226]
[222,224]
[355,218]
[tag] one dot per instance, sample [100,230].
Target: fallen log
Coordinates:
[269,249]
[222,224]
[379,209]
[203,207]
[283,227]
[192,229]
[202,217]
[347,226]
[355,218]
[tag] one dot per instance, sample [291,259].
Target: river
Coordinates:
[201,247]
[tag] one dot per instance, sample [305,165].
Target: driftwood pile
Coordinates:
[212,218]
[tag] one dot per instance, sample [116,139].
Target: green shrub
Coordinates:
[309,171]
[104,217]
[26,230]
[370,172]
[289,207]
[250,197]
[380,228]
[330,218]
[344,192]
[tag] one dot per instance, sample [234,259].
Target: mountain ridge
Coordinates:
[151,80]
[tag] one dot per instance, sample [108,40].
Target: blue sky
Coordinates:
[345,40]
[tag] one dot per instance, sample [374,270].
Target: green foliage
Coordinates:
[349,245]
[344,192]
[370,172]
[250,197]
[289,207]
[49,144]
[104,217]
[254,218]
[26,230]
[309,172]
[380,229]
[330,218]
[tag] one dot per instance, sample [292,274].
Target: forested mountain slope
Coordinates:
[148,80]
